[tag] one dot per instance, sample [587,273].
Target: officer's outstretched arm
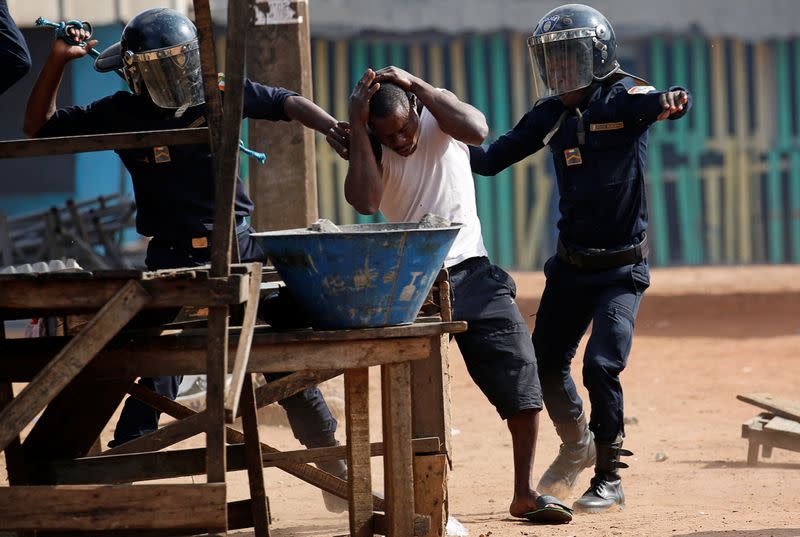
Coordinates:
[298,108]
[643,105]
[42,100]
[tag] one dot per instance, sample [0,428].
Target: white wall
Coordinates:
[98,12]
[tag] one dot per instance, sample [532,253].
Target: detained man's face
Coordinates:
[399,131]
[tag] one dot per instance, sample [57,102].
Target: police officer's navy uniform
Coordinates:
[174,190]
[600,270]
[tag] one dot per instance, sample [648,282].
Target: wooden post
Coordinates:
[284,191]
[430,491]
[398,474]
[359,483]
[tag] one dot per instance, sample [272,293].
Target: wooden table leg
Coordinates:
[255,469]
[359,483]
[397,455]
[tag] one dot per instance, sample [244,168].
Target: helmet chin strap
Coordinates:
[554,130]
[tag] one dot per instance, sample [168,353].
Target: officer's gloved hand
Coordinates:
[280,310]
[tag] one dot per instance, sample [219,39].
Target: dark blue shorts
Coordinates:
[497,347]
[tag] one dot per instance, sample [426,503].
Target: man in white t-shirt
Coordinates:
[408,157]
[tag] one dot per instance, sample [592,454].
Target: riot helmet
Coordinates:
[572,46]
[158,52]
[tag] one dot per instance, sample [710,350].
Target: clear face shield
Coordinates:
[561,61]
[172,75]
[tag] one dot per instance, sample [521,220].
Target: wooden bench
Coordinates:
[777,428]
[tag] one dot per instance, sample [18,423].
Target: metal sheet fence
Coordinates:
[724,183]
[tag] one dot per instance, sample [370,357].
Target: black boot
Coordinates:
[605,491]
[577,452]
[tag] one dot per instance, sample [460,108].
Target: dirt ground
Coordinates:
[703,336]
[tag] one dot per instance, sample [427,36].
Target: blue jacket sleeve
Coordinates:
[15,59]
[524,139]
[94,118]
[641,109]
[265,102]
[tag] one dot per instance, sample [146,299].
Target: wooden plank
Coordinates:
[785,408]
[226,161]
[444,301]
[69,362]
[359,482]
[430,491]
[243,345]
[380,525]
[15,460]
[130,467]
[255,470]
[109,507]
[180,355]
[397,461]
[782,425]
[126,468]
[166,436]
[291,384]
[23,298]
[216,368]
[305,472]
[430,395]
[101,142]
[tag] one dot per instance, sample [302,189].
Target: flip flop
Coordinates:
[549,510]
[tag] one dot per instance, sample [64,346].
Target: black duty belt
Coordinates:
[601,259]
[201,241]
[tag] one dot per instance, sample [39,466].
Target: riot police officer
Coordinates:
[594,118]
[174,185]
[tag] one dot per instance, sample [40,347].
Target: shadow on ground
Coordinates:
[769,532]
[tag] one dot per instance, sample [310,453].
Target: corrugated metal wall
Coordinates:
[724,183]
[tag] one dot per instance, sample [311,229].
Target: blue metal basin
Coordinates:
[365,276]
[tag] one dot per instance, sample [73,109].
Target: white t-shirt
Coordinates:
[437,179]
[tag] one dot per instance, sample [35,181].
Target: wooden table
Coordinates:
[413,359]
[76,404]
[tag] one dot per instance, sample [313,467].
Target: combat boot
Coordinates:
[337,468]
[577,452]
[605,490]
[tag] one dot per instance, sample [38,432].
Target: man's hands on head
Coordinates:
[359,99]
[397,76]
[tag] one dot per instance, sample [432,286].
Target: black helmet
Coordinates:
[572,46]
[158,51]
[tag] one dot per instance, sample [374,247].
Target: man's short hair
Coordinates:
[388,99]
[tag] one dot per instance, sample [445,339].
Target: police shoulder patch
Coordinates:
[641,90]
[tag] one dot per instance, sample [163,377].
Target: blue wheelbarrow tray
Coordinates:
[367,275]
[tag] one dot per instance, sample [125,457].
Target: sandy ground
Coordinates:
[703,336]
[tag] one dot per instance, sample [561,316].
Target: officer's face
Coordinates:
[398,131]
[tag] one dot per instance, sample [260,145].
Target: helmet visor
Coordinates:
[561,61]
[173,75]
